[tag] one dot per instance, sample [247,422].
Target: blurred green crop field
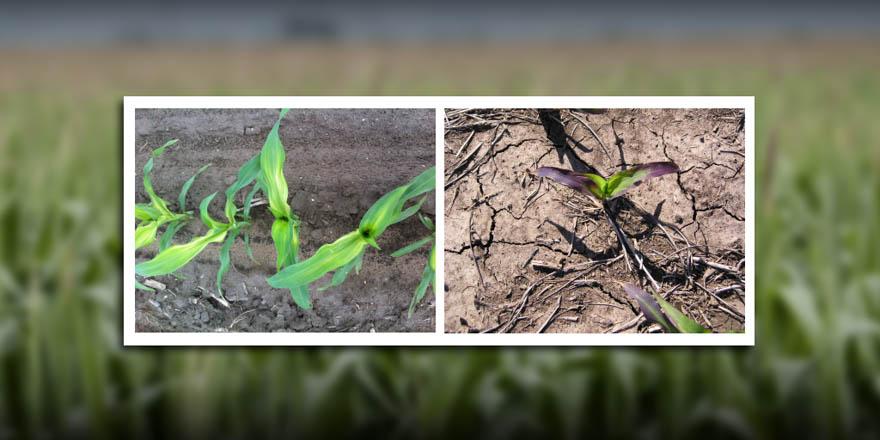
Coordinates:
[815,369]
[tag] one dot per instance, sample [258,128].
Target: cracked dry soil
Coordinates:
[339,162]
[525,254]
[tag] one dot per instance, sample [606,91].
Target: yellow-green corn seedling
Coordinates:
[285,228]
[156,213]
[177,256]
[151,216]
[428,274]
[346,253]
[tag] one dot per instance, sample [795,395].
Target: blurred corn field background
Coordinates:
[815,369]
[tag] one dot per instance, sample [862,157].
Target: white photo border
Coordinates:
[438,338]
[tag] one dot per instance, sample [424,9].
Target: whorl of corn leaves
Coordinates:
[388,210]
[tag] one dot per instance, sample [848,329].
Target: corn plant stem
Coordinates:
[625,244]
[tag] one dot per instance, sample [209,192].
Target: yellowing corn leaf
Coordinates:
[145,234]
[328,258]
[178,256]
[272,172]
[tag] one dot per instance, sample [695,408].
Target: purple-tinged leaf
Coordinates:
[650,308]
[621,181]
[585,183]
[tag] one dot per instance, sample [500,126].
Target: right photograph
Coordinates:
[579,220]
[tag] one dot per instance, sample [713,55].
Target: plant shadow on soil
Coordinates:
[338,163]
[525,254]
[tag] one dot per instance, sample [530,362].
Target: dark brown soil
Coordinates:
[338,163]
[507,230]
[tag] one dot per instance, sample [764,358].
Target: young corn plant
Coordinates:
[614,186]
[264,171]
[153,215]
[285,228]
[607,189]
[156,213]
[346,253]
[428,274]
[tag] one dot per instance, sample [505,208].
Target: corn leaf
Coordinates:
[427,222]
[621,181]
[286,240]
[301,297]
[206,217]
[650,308]
[225,260]
[328,258]
[585,183]
[409,212]
[411,247]
[145,234]
[272,172]
[181,199]
[246,237]
[246,175]
[168,235]
[421,184]
[146,212]
[426,281]
[679,319]
[139,286]
[159,151]
[155,200]
[342,273]
[175,257]
[246,209]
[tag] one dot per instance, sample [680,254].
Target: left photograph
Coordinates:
[284,220]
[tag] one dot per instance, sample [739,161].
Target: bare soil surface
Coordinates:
[338,163]
[525,254]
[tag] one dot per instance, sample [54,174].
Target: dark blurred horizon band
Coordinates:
[47,23]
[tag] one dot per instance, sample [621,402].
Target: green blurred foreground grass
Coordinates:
[816,367]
